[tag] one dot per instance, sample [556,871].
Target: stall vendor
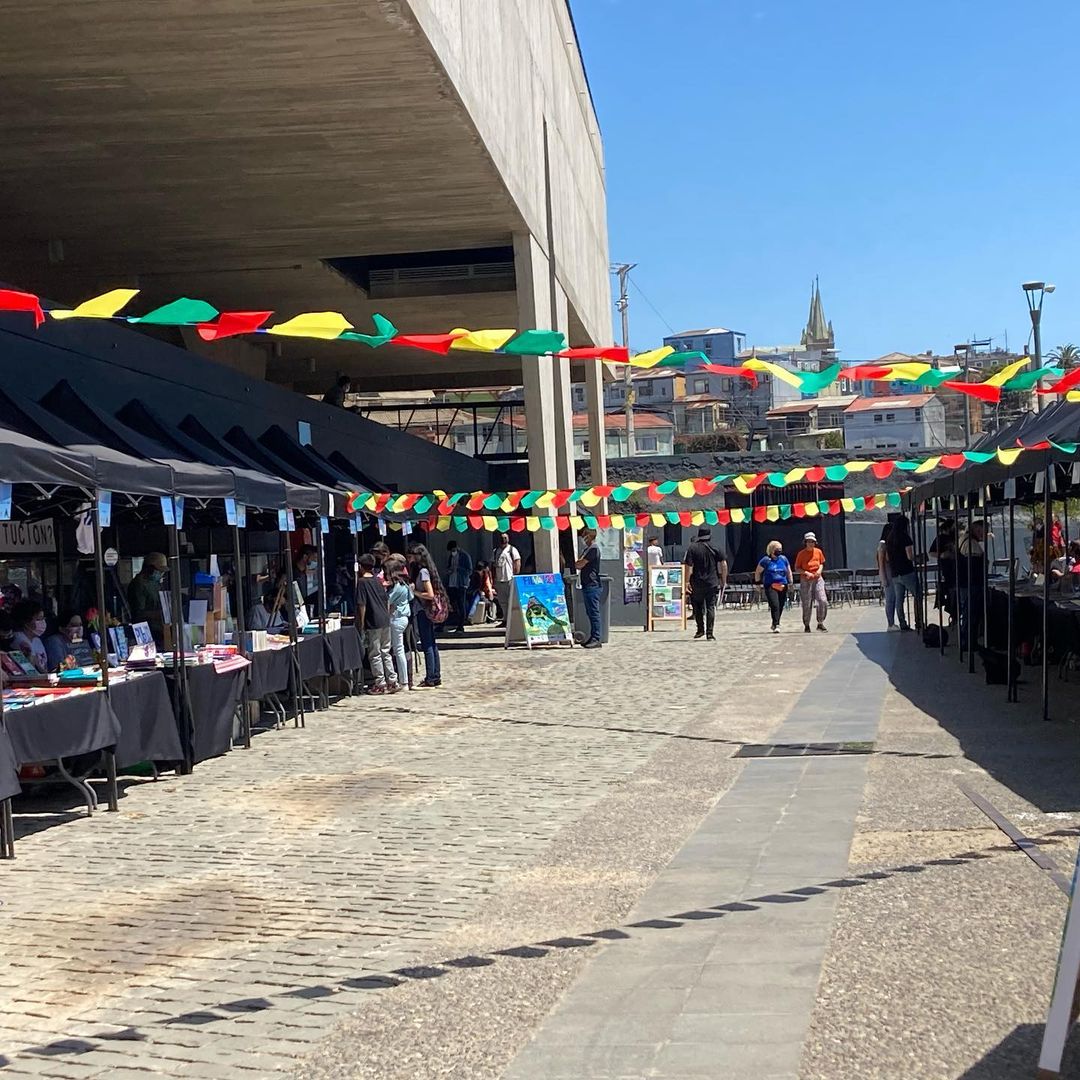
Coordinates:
[268,614]
[69,633]
[144,594]
[28,618]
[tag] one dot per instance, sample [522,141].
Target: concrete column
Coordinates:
[538,379]
[564,409]
[594,403]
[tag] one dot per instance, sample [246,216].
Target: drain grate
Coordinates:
[817,749]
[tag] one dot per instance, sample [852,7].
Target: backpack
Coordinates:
[438,610]
[933,634]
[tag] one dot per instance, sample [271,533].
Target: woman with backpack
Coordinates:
[433,606]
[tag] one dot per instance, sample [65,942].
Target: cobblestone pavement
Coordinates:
[224,922]
[409,887]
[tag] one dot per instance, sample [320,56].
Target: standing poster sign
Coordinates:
[1066,997]
[538,614]
[633,564]
[667,600]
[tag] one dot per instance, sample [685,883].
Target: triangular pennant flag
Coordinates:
[104,306]
[182,312]
[652,358]
[13,300]
[385,331]
[535,343]
[436,343]
[325,325]
[231,323]
[617,354]
[480,340]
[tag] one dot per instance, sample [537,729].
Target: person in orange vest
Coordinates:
[810,562]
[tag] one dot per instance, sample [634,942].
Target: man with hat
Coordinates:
[144,593]
[706,574]
[810,562]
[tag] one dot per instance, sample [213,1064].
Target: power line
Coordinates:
[656,312]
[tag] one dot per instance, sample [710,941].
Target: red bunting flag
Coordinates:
[436,343]
[231,323]
[517,524]
[815,475]
[1044,445]
[834,507]
[1069,382]
[643,519]
[475,502]
[475,521]
[981,391]
[13,300]
[563,523]
[561,499]
[615,353]
[652,493]
[723,517]
[686,517]
[881,469]
[726,369]
[603,521]
[761,513]
[864,371]
[953,461]
[603,490]
[798,510]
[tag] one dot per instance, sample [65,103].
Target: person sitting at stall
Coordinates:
[305,562]
[267,614]
[28,618]
[337,393]
[1059,564]
[144,594]
[69,632]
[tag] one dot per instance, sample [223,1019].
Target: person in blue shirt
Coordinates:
[774,572]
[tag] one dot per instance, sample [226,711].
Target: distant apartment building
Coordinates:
[813,422]
[654,436]
[895,423]
[719,344]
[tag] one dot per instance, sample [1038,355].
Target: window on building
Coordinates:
[646,389]
[700,386]
[913,444]
[646,443]
[918,415]
[878,418]
[890,418]
[707,346]
[585,447]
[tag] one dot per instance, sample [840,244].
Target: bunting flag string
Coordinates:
[214,325]
[735,515]
[445,504]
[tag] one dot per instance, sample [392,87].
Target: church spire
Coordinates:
[818,333]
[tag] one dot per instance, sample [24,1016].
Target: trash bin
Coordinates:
[580,617]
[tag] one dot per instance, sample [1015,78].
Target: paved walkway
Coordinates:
[734,995]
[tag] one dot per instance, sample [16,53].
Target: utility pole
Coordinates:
[623,304]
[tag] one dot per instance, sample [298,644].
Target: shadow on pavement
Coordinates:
[1036,760]
[1014,1056]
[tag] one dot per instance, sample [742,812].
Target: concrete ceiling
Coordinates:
[223,149]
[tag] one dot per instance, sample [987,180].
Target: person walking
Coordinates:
[706,575]
[900,551]
[810,562]
[885,577]
[458,573]
[400,600]
[431,610]
[373,612]
[507,561]
[588,566]
[774,572]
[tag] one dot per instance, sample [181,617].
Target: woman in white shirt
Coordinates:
[28,618]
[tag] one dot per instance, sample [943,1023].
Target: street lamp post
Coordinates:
[623,304]
[1034,291]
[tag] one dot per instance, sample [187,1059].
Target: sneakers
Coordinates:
[393,688]
[432,682]
[776,629]
[822,627]
[699,634]
[710,637]
[377,690]
[593,644]
[806,628]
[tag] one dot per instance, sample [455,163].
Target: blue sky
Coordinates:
[923,158]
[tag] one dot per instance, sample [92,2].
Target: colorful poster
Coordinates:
[666,592]
[541,600]
[610,544]
[633,564]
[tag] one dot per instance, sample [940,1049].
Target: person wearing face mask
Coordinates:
[67,640]
[29,621]
[144,597]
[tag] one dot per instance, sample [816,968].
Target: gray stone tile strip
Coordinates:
[732,996]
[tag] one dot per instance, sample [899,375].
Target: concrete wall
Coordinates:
[515,64]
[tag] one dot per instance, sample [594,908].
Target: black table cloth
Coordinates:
[213,699]
[345,650]
[270,671]
[147,721]
[9,767]
[313,659]
[62,727]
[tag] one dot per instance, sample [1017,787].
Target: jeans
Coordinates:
[903,584]
[776,599]
[426,629]
[457,606]
[703,597]
[591,595]
[377,644]
[812,590]
[890,599]
[502,594]
[398,625]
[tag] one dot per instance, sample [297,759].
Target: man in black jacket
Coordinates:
[706,574]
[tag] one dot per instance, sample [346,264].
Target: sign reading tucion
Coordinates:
[27,536]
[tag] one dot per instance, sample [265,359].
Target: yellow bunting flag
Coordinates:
[651,358]
[104,306]
[1006,457]
[741,485]
[928,465]
[506,506]
[618,521]
[532,524]
[314,324]
[811,509]
[589,498]
[905,372]
[697,517]
[443,524]
[659,519]
[1000,378]
[490,523]
[782,373]
[481,340]
[577,522]
[773,512]
[857,466]
[848,505]
[738,515]
[794,476]
[686,489]
[1073,395]
[545,500]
